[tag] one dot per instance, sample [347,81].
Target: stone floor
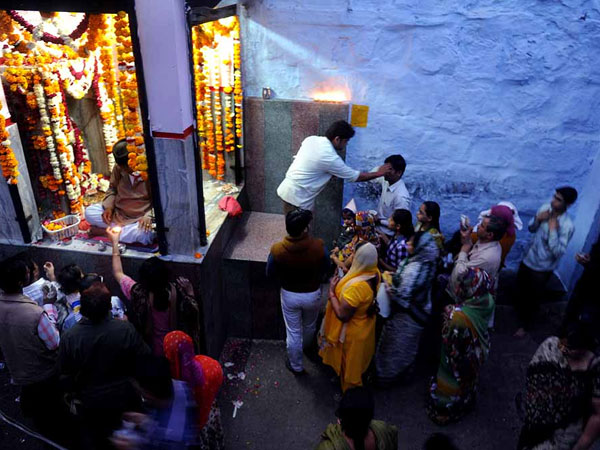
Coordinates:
[281,411]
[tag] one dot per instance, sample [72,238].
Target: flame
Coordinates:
[331,95]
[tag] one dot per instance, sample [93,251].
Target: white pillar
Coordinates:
[162,31]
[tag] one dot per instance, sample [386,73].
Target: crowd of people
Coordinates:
[96,371]
[392,280]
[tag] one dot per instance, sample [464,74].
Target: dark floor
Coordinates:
[281,411]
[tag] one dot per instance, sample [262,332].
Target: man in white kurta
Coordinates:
[314,165]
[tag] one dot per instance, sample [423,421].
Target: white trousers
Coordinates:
[300,313]
[129,233]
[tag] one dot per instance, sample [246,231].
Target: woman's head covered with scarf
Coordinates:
[475,283]
[365,227]
[424,247]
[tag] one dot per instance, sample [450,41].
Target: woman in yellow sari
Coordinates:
[347,336]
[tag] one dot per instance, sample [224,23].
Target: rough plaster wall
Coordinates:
[486,100]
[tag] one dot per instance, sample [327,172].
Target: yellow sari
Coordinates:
[349,347]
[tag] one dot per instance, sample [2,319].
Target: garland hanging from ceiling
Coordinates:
[76,55]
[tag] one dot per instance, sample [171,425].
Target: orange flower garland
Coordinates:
[128,85]
[200,89]
[219,115]
[10,165]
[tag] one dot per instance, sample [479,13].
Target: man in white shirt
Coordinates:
[314,165]
[394,194]
[486,254]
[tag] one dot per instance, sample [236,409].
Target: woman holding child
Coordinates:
[408,289]
[347,336]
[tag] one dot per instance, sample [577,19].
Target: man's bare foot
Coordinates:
[520,333]
[97,231]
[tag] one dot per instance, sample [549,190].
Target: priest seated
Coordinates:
[128,203]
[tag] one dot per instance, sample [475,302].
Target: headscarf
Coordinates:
[179,350]
[364,267]
[364,231]
[426,249]
[473,294]
[504,213]
[413,278]
[203,374]
[515,222]
[365,227]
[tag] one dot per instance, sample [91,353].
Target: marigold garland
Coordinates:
[128,86]
[218,91]
[45,67]
[8,161]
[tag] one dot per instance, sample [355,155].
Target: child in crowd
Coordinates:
[349,222]
[401,223]
[428,219]
[364,232]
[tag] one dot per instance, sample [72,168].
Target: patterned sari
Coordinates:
[411,308]
[465,347]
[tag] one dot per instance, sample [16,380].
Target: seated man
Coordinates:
[127,203]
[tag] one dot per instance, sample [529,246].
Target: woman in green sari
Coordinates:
[356,429]
[465,347]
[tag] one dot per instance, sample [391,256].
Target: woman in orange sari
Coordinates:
[347,336]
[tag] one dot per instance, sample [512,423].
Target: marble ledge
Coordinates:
[255,236]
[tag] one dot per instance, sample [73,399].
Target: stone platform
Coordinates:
[251,300]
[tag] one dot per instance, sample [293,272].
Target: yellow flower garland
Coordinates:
[128,85]
[8,161]
[219,115]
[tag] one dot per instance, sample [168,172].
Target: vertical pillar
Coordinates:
[587,227]
[19,219]
[163,36]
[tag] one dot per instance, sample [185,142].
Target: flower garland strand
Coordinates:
[64,148]
[8,161]
[128,85]
[39,34]
[237,82]
[218,91]
[200,89]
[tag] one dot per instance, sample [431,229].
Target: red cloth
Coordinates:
[231,205]
[504,212]
[205,376]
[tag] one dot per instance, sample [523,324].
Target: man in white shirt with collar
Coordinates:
[394,194]
[314,165]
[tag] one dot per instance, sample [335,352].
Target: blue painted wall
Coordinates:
[487,100]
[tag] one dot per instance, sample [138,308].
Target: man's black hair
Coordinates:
[70,278]
[568,193]
[95,302]
[153,373]
[348,211]
[119,151]
[497,226]
[14,274]
[397,162]
[341,129]
[296,221]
